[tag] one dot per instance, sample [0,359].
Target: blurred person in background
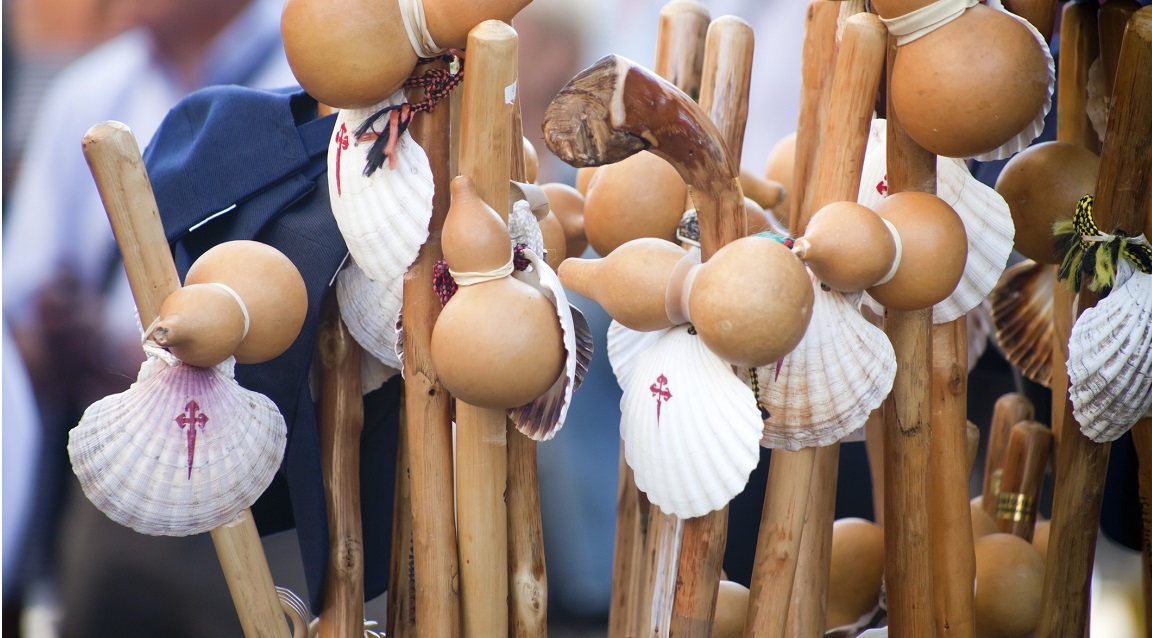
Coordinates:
[67,299]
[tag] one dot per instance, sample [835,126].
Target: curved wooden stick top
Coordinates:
[616,108]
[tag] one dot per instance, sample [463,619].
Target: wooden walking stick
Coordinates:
[1122,201]
[1024,465]
[1008,410]
[1142,440]
[782,527]
[481,433]
[341,420]
[679,54]
[401,622]
[428,420]
[118,170]
[817,73]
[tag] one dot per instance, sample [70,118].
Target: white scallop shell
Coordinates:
[691,428]
[986,217]
[383,218]
[979,328]
[827,386]
[183,451]
[543,417]
[625,346]
[370,309]
[1022,313]
[1110,358]
[1036,126]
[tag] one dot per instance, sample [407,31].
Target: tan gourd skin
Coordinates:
[751,302]
[355,53]
[848,246]
[568,205]
[971,85]
[631,283]
[731,610]
[982,522]
[497,344]
[641,196]
[200,325]
[857,571]
[780,166]
[584,177]
[531,162]
[934,248]
[272,290]
[1009,580]
[554,239]
[757,218]
[1042,185]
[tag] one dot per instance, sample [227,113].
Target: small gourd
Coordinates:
[554,240]
[270,286]
[731,610]
[969,86]
[1009,583]
[531,162]
[780,166]
[497,343]
[584,177]
[201,324]
[933,251]
[1041,186]
[857,571]
[848,246]
[356,53]
[568,205]
[631,283]
[640,196]
[982,522]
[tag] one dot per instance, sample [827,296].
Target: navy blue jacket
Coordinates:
[238,163]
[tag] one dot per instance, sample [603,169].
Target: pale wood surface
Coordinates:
[341,420]
[817,70]
[481,434]
[1024,465]
[428,422]
[1123,197]
[680,44]
[114,158]
[808,607]
[953,556]
[1142,440]
[908,424]
[1041,13]
[401,607]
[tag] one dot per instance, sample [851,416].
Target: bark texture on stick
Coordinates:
[1123,198]
[114,158]
[481,434]
[816,72]
[1024,466]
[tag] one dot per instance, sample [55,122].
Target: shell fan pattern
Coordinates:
[183,451]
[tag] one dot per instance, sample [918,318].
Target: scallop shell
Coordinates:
[542,418]
[1036,127]
[625,346]
[979,328]
[1110,358]
[986,217]
[827,386]
[183,451]
[371,309]
[1022,314]
[383,217]
[691,428]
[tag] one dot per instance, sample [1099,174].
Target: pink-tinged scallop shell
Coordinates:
[182,451]
[987,222]
[371,310]
[1110,358]
[690,426]
[1022,314]
[542,418]
[383,217]
[827,386]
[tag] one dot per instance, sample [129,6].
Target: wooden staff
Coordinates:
[481,433]
[341,420]
[776,583]
[1024,465]
[907,421]
[428,422]
[950,514]
[1008,410]
[680,35]
[1142,440]
[817,70]
[118,170]
[727,78]
[615,109]
[401,609]
[1040,13]
[1123,197]
[1079,46]
[527,573]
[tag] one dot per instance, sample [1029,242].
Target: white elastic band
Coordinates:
[899,252]
[240,302]
[919,23]
[416,25]
[1139,240]
[470,278]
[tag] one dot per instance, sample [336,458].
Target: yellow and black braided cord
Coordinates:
[1086,255]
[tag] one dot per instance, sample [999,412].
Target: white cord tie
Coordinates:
[240,302]
[899,252]
[919,23]
[471,278]
[416,25]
